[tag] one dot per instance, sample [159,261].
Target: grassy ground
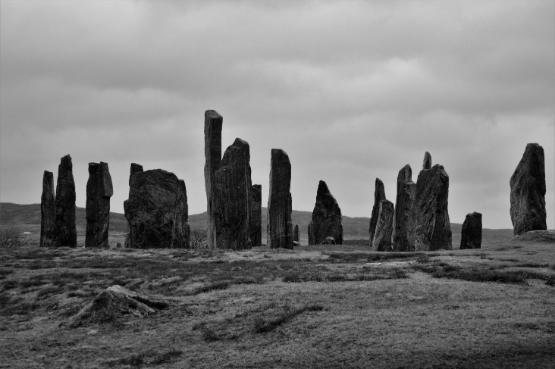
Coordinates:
[315,307]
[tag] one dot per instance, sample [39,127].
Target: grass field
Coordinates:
[314,307]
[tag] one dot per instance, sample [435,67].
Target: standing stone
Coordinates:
[326,218]
[379,195]
[256,215]
[384,227]
[213,153]
[47,211]
[296,234]
[135,168]
[280,228]
[99,191]
[231,194]
[406,191]
[471,237]
[66,232]
[157,211]
[427,161]
[528,191]
[430,225]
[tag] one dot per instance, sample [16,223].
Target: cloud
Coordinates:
[350,89]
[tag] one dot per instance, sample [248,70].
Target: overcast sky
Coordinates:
[352,90]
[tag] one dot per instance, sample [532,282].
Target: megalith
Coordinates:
[231,198]
[528,191]
[384,227]
[99,192]
[157,210]
[430,225]
[326,218]
[379,195]
[280,228]
[213,153]
[65,228]
[256,215]
[427,164]
[47,211]
[296,234]
[406,191]
[471,235]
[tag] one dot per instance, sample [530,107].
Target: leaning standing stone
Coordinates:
[66,232]
[379,195]
[528,192]
[99,192]
[384,227]
[471,236]
[47,211]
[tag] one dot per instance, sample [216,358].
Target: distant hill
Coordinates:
[353,228]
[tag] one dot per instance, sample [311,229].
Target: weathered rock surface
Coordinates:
[99,192]
[135,168]
[47,211]
[213,154]
[537,236]
[231,198]
[113,304]
[528,191]
[427,164]
[379,195]
[296,234]
[326,218]
[328,241]
[406,191]
[384,227]
[430,225]
[471,237]
[256,215]
[66,232]
[280,228]
[157,211]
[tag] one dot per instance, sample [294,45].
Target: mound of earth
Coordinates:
[538,236]
[114,303]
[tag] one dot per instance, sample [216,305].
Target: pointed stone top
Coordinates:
[212,114]
[322,188]
[240,142]
[379,192]
[427,161]
[405,174]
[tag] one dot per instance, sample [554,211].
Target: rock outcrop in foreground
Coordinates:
[379,195]
[231,198]
[157,210]
[65,229]
[326,218]
[406,192]
[256,215]
[47,211]
[384,227]
[99,192]
[471,237]
[280,228]
[528,192]
[430,225]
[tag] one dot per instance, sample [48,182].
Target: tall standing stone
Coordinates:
[280,228]
[384,227]
[256,215]
[66,232]
[406,191]
[47,211]
[213,153]
[427,164]
[99,192]
[528,191]
[231,198]
[157,211]
[430,225]
[326,218]
[471,235]
[379,195]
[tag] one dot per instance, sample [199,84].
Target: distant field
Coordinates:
[27,218]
